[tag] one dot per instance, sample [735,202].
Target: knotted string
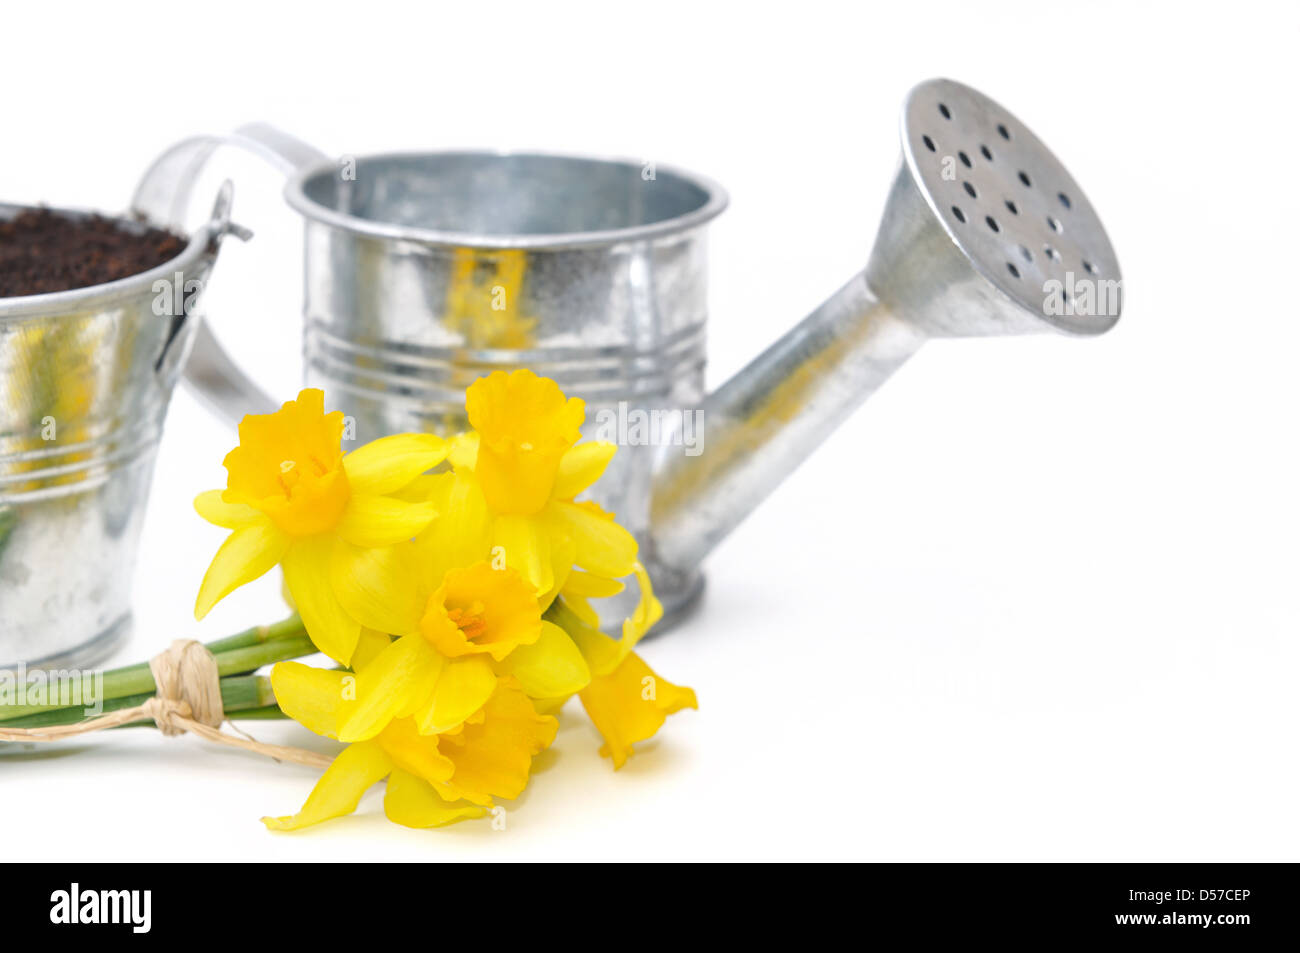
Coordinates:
[188,699]
[186,675]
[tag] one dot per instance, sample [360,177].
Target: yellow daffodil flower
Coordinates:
[458,629]
[293,498]
[433,780]
[625,699]
[630,704]
[516,476]
[528,466]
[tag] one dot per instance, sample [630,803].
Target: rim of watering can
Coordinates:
[715,203]
[51,303]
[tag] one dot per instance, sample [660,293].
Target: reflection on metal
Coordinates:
[484,299]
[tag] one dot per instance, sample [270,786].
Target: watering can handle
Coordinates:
[163,197]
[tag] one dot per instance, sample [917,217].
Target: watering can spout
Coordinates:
[760,425]
[984,233]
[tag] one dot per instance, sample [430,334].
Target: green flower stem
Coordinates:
[239,693]
[133,679]
[283,629]
[250,659]
[246,651]
[265,713]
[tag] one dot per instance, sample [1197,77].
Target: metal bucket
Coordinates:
[85,379]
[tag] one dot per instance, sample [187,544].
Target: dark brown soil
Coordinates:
[42,252]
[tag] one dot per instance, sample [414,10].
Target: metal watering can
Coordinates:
[85,380]
[425,271]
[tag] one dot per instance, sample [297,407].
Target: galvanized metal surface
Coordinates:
[85,380]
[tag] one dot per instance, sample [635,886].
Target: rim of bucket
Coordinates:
[79,299]
[715,203]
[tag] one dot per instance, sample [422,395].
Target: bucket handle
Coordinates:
[163,197]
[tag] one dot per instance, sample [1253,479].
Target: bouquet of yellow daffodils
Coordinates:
[449,580]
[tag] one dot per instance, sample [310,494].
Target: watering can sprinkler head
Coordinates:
[984,233]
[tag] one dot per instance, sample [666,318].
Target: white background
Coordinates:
[1036,600]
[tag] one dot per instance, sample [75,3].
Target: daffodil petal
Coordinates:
[600,651]
[462,533]
[549,706]
[379,587]
[462,689]
[217,511]
[389,463]
[600,544]
[562,552]
[648,611]
[464,451]
[339,789]
[286,595]
[416,753]
[310,696]
[590,586]
[551,666]
[411,802]
[383,520]
[395,682]
[369,646]
[580,586]
[247,553]
[419,490]
[581,466]
[630,705]
[527,549]
[497,753]
[307,574]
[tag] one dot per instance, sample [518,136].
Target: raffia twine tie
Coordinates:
[189,687]
[188,699]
